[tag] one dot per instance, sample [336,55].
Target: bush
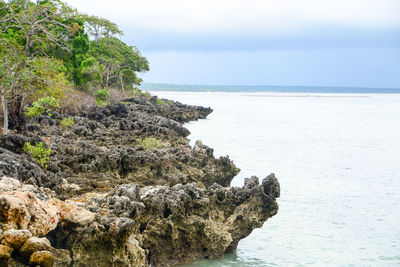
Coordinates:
[141,93]
[41,106]
[102,96]
[150,143]
[67,122]
[75,102]
[145,95]
[117,95]
[159,102]
[40,153]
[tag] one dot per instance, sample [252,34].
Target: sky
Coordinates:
[261,42]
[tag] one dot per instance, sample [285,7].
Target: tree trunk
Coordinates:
[28,41]
[107,79]
[27,45]
[122,84]
[5,114]
[16,114]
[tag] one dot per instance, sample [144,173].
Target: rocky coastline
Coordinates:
[105,199]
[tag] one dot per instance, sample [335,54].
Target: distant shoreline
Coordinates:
[323,96]
[266,89]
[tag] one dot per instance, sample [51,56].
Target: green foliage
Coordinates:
[125,103]
[42,106]
[102,96]
[23,79]
[41,27]
[99,27]
[159,102]
[48,79]
[150,142]
[40,153]
[67,122]
[119,62]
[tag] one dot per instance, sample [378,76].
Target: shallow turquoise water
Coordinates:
[337,158]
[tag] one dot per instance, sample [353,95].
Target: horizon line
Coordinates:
[269,85]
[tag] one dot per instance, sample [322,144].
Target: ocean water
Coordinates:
[337,158]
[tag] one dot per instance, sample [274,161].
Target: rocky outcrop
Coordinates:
[163,225]
[107,200]
[170,109]
[101,151]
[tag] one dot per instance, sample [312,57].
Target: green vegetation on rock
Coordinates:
[150,142]
[159,102]
[40,153]
[67,122]
[102,96]
[42,106]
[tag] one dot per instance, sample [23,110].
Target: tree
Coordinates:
[133,62]
[23,79]
[43,43]
[41,26]
[81,68]
[30,32]
[120,62]
[10,62]
[100,28]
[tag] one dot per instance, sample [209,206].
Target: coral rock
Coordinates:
[79,216]
[5,252]
[42,258]
[34,244]
[25,210]
[17,237]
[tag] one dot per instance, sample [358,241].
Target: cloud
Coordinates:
[297,42]
[250,16]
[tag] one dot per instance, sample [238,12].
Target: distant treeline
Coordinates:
[265,88]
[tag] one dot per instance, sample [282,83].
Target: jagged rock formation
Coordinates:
[105,200]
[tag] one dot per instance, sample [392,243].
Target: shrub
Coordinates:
[159,102]
[145,94]
[41,106]
[75,102]
[116,96]
[40,153]
[150,142]
[67,122]
[102,96]
[142,93]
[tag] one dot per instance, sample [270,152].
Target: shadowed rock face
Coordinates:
[110,202]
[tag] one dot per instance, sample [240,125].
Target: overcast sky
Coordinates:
[261,42]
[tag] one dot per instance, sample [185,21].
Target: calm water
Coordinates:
[338,162]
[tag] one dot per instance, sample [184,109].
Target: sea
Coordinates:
[337,158]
